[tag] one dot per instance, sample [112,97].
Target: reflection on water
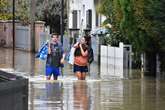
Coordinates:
[47,96]
[6,58]
[137,94]
[81,98]
[145,94]
[23,61]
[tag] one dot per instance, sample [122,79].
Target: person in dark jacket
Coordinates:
[55,58]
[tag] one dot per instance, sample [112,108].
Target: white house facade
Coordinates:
[82,15]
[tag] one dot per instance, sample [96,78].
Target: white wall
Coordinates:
[79,5]
[111,61]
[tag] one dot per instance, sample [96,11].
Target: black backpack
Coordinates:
[90,55]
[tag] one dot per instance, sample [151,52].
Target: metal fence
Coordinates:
[23,40]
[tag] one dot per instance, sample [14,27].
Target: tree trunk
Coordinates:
[150,64]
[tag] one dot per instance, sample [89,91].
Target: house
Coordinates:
[82,16]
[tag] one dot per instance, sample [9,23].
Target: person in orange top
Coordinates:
[81,59]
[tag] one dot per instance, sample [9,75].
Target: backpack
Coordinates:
[90,55]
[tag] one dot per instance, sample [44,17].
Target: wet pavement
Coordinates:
[93,94]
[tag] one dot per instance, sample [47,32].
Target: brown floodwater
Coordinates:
[141,93]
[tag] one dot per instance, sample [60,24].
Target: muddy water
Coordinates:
[93,94]
[141,94]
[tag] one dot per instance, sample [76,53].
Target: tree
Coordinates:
[112,10]
[140,22]
[49,11]
[23,11]
[155,14]
[5,14]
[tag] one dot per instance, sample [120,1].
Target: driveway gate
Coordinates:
[115,61]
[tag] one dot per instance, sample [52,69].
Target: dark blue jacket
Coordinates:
[53,59]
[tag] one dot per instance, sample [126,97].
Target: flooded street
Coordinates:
[93,94]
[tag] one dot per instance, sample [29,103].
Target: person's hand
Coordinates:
[62,61]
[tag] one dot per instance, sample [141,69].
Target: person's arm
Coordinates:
[63,56]
[49,49]
[84,53]
[76,45]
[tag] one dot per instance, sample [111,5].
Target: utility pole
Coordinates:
[32,22]
[62,21]
[13,22]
